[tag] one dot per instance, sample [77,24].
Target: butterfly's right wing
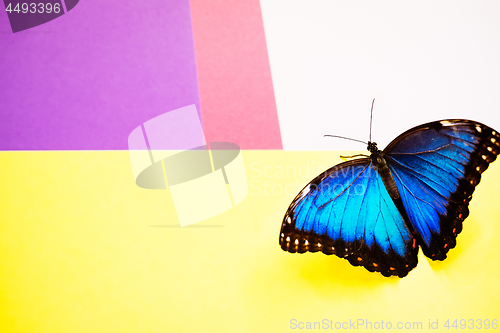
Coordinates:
[436,167]
[347,211]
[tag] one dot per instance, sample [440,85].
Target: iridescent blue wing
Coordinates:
[436,167]
[347,211]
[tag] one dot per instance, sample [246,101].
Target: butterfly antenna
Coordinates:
[342,137]
[371,116]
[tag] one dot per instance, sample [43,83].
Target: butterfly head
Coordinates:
[372,147]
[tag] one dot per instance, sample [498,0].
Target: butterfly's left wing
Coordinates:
[436,167]
[347,211]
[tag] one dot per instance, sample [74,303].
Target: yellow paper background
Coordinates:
[83,249]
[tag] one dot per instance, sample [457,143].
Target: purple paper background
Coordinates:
[85,80]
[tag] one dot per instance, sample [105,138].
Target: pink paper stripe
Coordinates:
[234,76]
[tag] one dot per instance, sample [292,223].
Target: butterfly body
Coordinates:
[380,165]
[376,212]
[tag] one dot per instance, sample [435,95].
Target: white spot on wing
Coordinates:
[305,191]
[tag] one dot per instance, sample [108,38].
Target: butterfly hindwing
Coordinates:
[436,167]
[347,211]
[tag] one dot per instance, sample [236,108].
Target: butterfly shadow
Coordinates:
[330,271]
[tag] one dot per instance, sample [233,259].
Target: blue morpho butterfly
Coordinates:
[376,211]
